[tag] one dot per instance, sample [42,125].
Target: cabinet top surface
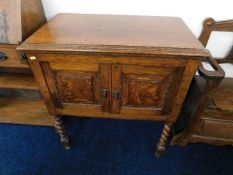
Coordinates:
[116,33]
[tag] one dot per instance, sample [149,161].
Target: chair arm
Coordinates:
[224,25]
[217,74]
[209,25]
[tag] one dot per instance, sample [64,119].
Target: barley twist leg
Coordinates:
[163,139]
[59,127]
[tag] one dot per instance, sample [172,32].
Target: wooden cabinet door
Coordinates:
[139,89]
[75,85]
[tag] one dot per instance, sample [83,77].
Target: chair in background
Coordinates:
[207,114]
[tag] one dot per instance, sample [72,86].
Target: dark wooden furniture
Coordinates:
[128,67]
[207,114]
[19,93]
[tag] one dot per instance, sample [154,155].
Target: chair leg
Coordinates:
[59,128]
[163,140]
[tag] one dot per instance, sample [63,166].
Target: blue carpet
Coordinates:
[105,147]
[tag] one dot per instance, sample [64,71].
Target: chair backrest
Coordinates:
[210,25]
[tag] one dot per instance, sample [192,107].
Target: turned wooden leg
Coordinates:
[55,127]
[163,140]
[59,128]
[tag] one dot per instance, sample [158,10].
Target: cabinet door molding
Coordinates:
[87,86]
[139,88]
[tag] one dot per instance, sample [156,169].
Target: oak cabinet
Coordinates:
[110,66]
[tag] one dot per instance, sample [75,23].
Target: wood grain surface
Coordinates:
[112,33]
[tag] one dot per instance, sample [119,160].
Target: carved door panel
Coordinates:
[76,85]
[137,89]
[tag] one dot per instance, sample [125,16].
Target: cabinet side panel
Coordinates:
[49,78]
[40,78]
[188,75]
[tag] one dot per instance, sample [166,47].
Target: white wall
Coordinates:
[191,11]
